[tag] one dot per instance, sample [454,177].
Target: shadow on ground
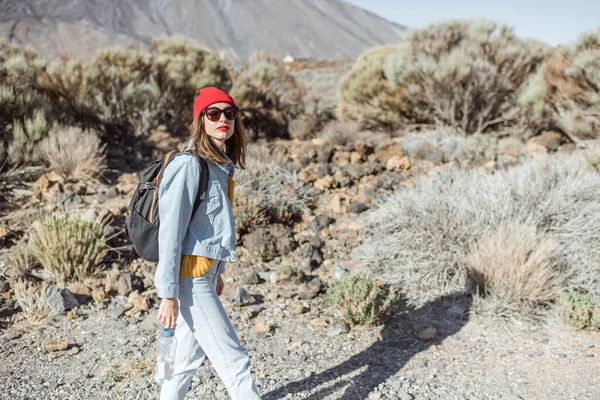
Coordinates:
[388,355]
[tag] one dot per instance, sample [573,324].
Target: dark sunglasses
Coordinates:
[214,113]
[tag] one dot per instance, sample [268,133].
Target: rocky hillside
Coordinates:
[320,29]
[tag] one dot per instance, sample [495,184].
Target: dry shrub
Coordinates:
[340,133]
[268,96]
[565,91]
[268,191]
[515,271]
[250,212]
[69,247]
[135,369]
[37,302]
[132,90]
[74,153]
[303,127]
[464,74]
[20,260]
[420,237]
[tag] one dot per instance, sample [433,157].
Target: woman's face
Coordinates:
[220,130]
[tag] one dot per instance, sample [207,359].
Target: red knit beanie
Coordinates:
[210,95]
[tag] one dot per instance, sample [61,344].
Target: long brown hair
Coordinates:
[235,146]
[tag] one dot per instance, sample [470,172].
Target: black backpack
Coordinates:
[142,222]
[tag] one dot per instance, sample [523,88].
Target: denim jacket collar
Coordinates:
[228,167]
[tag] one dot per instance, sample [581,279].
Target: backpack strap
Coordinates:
[202,189]
[157,181]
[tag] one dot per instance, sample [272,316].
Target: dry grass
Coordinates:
[37,302]
[515,271]
[74,153]
[20,260]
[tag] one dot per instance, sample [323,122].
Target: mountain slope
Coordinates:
[318,29]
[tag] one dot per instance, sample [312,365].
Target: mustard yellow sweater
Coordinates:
[195,266]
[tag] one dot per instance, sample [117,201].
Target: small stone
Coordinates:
[427,333]
[74,350]
[298,308]
[327,182]
[338,272]
[55,345]
[281,352]
[138,301]
[242,297]
[440,392]
[308,291]
[117,312]
[11,335]
[336,204]
[69,299]
[398,163]
[316,258]
[436,367]
[374,396]
[490,164]
[337,328]
[357,207]
[99,295]
[72,314]
[272,296]
[124,286]
[320,222]
[261,327]
[587,344]
[273,277]
[319,322]
[251,279]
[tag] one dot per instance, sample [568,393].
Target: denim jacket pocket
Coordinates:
[211,205]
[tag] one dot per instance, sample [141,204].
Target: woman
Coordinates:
[193,250]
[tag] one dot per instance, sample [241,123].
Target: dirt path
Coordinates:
[301,358]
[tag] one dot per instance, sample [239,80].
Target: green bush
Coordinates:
[366,96]
[361,299]
[565,90]
[464,74]
[69,247]
[581,311]
[24,110]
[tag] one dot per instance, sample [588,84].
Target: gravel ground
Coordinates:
[310,355]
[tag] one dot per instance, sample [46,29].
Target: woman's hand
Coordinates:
[167,312]
[220,285]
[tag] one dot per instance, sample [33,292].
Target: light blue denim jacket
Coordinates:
[211,231]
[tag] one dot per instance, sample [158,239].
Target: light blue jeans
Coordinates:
[204,330]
